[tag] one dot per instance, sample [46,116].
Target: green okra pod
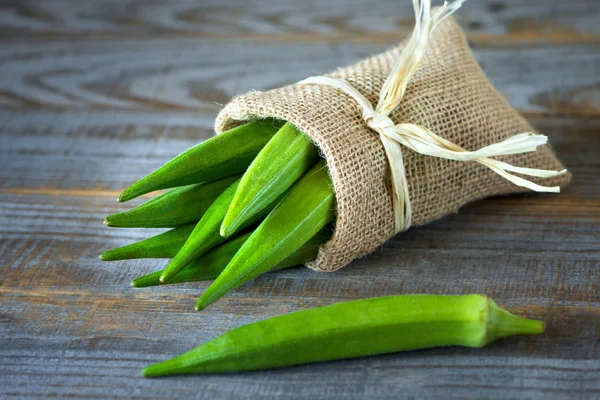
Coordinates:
[353,329]
[206,233]
[204,236]
[176,207]
[283,160]
[207,267]
[224,155]
[305,210]
[211,264]
[163,245]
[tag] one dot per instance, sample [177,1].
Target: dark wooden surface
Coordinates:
[95,94]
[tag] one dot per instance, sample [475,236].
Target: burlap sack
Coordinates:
[449,94]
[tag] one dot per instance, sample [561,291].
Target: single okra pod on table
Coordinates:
[211,264]
[283,160]
[305,210]
[176,207]
[224,155]
[163,245]
[352,329]
[206,233]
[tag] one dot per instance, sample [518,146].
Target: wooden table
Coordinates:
[95,94]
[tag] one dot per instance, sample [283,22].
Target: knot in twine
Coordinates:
[420,139]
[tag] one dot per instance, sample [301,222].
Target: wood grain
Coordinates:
[487,22]
[538,255]
[96,94]
[103,151]
[100,153]
[201,75]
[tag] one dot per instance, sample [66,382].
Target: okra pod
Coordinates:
[207,267]
[224,155]
[164,245]
[206,233]
[305,210]
[211,264]
[283,160]
[176,207]
[353,329]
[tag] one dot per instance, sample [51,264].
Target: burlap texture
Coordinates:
[449,94]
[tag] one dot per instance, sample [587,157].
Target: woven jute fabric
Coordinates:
[449,94]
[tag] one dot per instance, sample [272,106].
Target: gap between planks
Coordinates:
[480,40]
[55,192]
[64,297]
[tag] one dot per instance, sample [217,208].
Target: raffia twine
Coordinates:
[447,93]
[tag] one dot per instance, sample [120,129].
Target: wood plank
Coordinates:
[534,227]
[488,22]
[433,374]
[95,94]
[72,326]
[201,75]
[534,258]
[101,151]
[104,152]
[102,332]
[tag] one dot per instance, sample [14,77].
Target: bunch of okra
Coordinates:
[258,198]
[253,199]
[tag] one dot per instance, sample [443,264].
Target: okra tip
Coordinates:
[224,232]
[168,273]
[232,225]
[127,194]
[114,221]
[144,281]
[108,221]
[151,371]
[123,197]
[173,366]
[135,283]
[111,255]
[204,301]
